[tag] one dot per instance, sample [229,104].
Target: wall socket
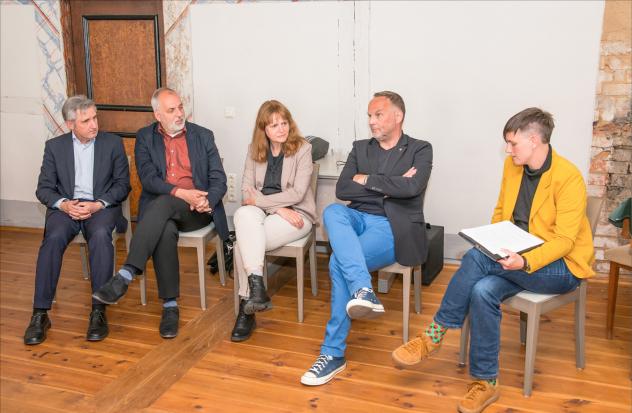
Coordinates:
[231,192]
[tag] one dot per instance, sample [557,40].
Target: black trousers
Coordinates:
[156,236]
[59,230]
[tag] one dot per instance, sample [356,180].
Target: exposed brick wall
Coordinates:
[611,164]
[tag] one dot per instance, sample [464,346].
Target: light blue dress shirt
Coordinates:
[84,170]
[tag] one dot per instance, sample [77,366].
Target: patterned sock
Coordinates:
[491,381]
[436,332]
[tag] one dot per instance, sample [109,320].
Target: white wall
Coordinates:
[299,54]
[463,69]
[22,130]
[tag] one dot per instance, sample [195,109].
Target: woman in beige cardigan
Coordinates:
[278,205]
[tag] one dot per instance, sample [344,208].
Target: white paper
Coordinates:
[502,235]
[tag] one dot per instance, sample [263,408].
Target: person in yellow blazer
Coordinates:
[544,194]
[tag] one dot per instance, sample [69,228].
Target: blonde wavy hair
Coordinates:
[260,142]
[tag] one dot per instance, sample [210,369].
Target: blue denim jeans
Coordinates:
[361,242]
[478,287]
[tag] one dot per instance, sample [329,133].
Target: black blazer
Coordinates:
[57,175]
[206,166]
[403,197]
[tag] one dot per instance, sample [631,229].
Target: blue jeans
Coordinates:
[478,287]
[361,242]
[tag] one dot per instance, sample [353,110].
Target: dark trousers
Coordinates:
[59,230]
[156,236]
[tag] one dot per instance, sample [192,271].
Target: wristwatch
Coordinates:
[526,267]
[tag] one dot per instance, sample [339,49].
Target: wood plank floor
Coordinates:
[67,373]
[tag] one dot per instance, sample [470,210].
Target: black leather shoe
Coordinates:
[36,331]
[244,325]
[169,322]
[112,291]
[97,326]
[259,300]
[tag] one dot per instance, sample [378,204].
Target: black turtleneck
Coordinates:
[528,186]
[272,180]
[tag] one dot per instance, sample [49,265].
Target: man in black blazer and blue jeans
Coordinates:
[183,184]
[83,181]
[385,180]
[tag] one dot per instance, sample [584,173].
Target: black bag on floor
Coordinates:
[228,256]
[434,262]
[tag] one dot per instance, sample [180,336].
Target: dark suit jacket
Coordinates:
[57,176]
[403,197]
[206,166]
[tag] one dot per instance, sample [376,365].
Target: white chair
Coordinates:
[198,239]
[296,250]
[407,274]
[83,247]
[532,306]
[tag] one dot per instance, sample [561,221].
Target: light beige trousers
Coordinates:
[257,233]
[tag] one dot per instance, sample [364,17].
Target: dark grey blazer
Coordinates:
[57,175]
[403,197]
[206,166]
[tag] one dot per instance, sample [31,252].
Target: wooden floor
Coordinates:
[202,371]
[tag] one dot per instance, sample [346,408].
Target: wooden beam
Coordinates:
[147,380]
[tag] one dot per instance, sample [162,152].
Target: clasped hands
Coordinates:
[361,178]
[288,214]
[196,199]
[80,210]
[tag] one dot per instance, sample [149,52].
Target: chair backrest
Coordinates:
[593,211]
[314,181]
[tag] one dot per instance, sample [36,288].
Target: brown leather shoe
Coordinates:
[415,350]
[480,394]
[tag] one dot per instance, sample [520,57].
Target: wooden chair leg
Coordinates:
[406,300]
[114,255]
[533,326]
[201,272]
[143,290]
[524,320]
[417,289]
[580,326]
[465,338]
[613,284]
[221,261]
[236,291]
[300,278]
[265,272]
[312,267]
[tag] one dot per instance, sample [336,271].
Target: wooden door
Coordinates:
[114,54]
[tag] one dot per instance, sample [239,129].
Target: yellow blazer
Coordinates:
[558,215]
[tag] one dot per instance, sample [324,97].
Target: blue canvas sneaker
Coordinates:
[364,304]
[324,369]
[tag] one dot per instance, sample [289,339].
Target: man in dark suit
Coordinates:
[83,181]
[385,180]
[183,184]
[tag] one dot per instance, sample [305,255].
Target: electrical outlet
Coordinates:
[231,183]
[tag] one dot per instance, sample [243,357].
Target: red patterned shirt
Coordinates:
[178,162]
